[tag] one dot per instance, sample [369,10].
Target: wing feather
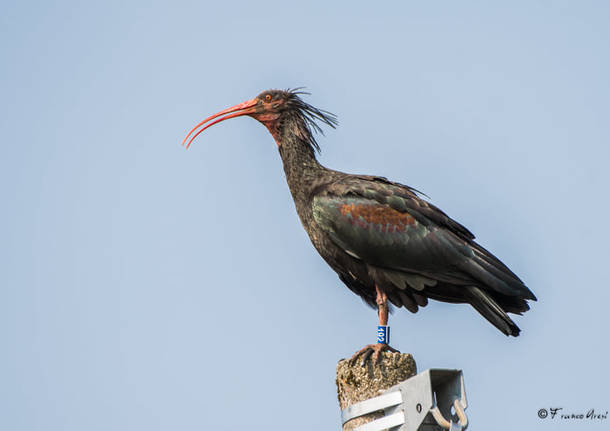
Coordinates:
[388,225]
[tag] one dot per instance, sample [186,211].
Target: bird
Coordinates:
[387,244]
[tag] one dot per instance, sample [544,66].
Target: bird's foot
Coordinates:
[373,350]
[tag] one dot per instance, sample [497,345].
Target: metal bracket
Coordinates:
[420,403]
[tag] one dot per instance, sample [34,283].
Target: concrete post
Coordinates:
[356,383]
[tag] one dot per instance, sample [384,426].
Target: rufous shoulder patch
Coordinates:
[387,218]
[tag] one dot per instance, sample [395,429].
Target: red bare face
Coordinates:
[266,108]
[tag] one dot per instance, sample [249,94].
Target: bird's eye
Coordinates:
[267,97]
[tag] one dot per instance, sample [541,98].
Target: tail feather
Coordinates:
[491,311]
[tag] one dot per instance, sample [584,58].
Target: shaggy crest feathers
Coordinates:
[309,114]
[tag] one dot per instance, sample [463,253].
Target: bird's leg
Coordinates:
[382,306]
[376,349]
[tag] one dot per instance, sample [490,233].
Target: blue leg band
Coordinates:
[383,334]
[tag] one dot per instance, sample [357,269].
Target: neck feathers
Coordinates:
[302,169]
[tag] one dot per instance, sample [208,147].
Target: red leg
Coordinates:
[375,350]
[382,306]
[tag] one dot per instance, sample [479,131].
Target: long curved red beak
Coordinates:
[245,108]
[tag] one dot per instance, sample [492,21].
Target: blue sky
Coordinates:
[146,287]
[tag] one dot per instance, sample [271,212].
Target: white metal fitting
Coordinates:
[433,400]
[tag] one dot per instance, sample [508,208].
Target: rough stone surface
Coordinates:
[356,383]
